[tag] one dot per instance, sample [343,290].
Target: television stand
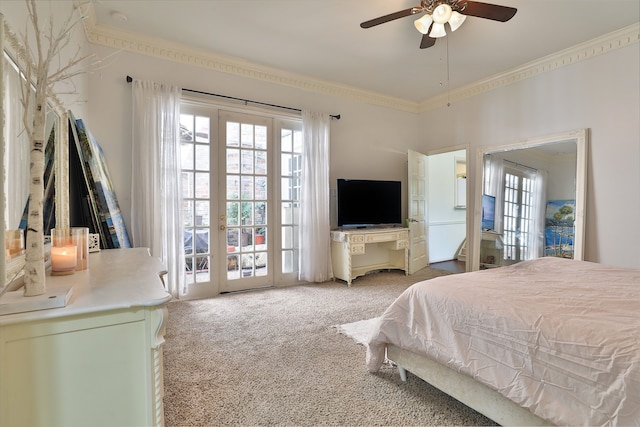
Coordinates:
[359,251]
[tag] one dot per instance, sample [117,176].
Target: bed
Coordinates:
[546,341]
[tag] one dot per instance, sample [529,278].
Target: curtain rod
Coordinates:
[520,165]
[333,116]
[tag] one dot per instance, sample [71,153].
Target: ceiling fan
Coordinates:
[439,12]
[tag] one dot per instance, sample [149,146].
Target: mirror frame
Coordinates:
[11,271]
[581,138]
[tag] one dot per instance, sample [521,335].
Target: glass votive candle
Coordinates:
[63,259]
[80,238]
[64,253]
[14,242]
[61,237]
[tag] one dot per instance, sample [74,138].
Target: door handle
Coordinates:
[223,227]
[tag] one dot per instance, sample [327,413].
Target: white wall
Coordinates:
[601,94]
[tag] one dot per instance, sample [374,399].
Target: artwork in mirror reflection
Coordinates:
[559,228]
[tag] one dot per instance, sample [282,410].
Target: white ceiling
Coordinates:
[322,39]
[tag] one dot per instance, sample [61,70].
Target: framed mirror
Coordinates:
[530,200]
[15,153]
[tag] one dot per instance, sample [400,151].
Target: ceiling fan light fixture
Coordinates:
[422,24]
[442,13]
[456,20]
[437,30]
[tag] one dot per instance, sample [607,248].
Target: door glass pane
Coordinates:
[202,129]
[246,135]
[247,187]
[261,137]
[233,160]
[247,161]
[261,188]
[261,163]
[202,213]
[187,184]
[195,163]
[233,134]
[187,212]
[260,214]
[233,187]
[202,185]
[246,200]
[233,213]
[202,157]
[186,156]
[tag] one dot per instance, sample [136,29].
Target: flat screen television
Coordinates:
[488,212]
[363,203]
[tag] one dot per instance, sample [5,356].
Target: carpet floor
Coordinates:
[273,358]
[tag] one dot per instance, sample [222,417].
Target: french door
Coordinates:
[240,186]
[517,215]
[245,201]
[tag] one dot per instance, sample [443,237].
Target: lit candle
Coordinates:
[64,259]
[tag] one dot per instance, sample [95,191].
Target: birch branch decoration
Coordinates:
[40,78]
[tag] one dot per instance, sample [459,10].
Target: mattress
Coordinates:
[558,337]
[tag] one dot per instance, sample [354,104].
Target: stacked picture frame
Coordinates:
[93,199]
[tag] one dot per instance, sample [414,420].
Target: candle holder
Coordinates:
[64,253]
[80,238]
[14,243]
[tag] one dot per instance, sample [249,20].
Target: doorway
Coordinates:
[437,209]
[447,200]
[240,191]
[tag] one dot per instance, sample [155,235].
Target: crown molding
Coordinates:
[136,43]
[615,40]
[162,49]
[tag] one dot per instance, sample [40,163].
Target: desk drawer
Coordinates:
[385,237]
[357,248]
[356,238]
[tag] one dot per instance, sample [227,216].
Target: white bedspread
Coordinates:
[556,336]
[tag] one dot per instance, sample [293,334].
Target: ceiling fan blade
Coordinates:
[427,41]
[390,17]
[489,11]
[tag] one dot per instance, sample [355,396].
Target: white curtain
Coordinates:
[156,203]
[493,185]
[540,180]
[315,245]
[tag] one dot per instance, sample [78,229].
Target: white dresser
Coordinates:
[356,252]
[95,362]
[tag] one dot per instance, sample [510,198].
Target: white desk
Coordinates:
[356,252]
[95,362]
[491,250]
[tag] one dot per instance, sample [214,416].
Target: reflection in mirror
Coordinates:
[14,179]
[16,159]
[530,201]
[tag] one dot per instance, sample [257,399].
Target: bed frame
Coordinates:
[475,395]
